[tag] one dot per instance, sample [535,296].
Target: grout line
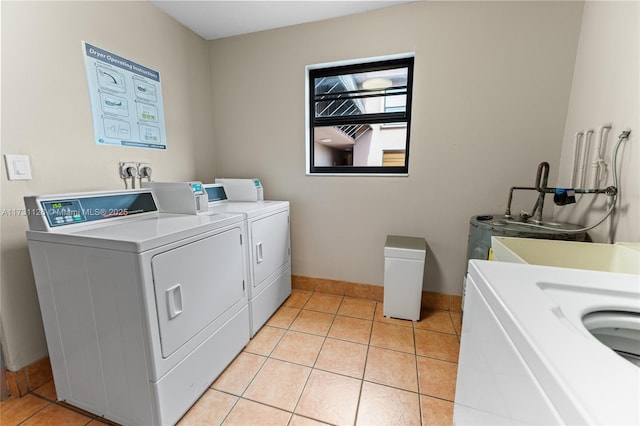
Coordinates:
[259,403]
[437,331]
[437,397]
[228,412]
[34,393]
[415,360]
[397,388]
[33,414]
[355,420]
[437,359]
[364,370]
[316,360]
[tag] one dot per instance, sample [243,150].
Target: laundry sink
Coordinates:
[622,257]
[632,246]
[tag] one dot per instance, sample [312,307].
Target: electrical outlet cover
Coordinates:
[18,167]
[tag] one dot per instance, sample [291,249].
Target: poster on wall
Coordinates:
[126,101]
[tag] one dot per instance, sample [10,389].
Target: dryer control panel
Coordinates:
[47,212]
[215,192]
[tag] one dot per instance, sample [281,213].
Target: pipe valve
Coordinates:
[611,191]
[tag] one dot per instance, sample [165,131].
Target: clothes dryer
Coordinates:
[141,310]
[268,250]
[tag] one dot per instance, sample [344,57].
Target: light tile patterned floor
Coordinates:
[321,359]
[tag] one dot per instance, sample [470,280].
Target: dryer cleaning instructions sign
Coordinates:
[126,101]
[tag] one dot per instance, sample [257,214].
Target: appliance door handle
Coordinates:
[174,301]
[259,252]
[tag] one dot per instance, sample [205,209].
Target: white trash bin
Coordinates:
[403,272]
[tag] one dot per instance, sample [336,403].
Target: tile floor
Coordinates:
[321,359]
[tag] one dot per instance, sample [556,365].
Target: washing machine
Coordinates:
[548,345]
[141,310]
[268,250]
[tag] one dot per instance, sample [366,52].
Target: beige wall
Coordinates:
[46,115]
[491,91]
[606,89]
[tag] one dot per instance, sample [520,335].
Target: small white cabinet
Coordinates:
[403,273]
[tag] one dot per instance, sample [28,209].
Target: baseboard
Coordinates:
[29,378]
[431,300]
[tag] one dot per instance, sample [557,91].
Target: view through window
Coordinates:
[360,117]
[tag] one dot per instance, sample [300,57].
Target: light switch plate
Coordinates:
[18,167]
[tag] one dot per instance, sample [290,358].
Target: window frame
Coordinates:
[405,60]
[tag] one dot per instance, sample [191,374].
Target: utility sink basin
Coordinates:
[622,257]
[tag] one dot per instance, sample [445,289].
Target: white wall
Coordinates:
[606,89]
[362,150]
[324,156]
[46,115]
[491,92]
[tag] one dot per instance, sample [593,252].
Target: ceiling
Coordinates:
[215,19]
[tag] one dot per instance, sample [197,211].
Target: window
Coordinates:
[360,113]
